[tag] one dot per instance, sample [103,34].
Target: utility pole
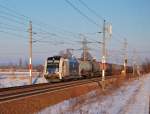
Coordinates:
[136,68]
[85,49]
[103,56]
[134,62]
[30,51]
[125,56]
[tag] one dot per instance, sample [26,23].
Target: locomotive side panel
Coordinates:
[73,67]
[65,68]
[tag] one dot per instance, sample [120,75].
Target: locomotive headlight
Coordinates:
[56,70]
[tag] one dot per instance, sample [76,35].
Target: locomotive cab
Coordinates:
[56,68]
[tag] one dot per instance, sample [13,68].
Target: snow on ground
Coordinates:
[10,79]
[131,98]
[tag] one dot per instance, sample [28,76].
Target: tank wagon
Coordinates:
[89,69]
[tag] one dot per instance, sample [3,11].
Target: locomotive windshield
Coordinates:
[52,68]
[53,65]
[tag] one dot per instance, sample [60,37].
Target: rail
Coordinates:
[15,93]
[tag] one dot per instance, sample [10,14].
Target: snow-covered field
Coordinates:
[131,98]
[10,79]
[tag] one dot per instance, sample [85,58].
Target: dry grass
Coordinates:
[23,77]
[12,77]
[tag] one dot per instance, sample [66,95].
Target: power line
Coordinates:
[55,35]
[27,18]
[11,15]
[40,30]
[91,10]
[46,26]
[13,29]
[12,20]
[35,22]
[81,13]
[54,43]
[11,26]
[20,15]
[35,38]
[14,34]
[11,10]
[97,15]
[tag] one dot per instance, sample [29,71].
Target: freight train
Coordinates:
[58,68]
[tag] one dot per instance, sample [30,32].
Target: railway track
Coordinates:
[16,93]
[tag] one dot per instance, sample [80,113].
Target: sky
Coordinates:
[59,26]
